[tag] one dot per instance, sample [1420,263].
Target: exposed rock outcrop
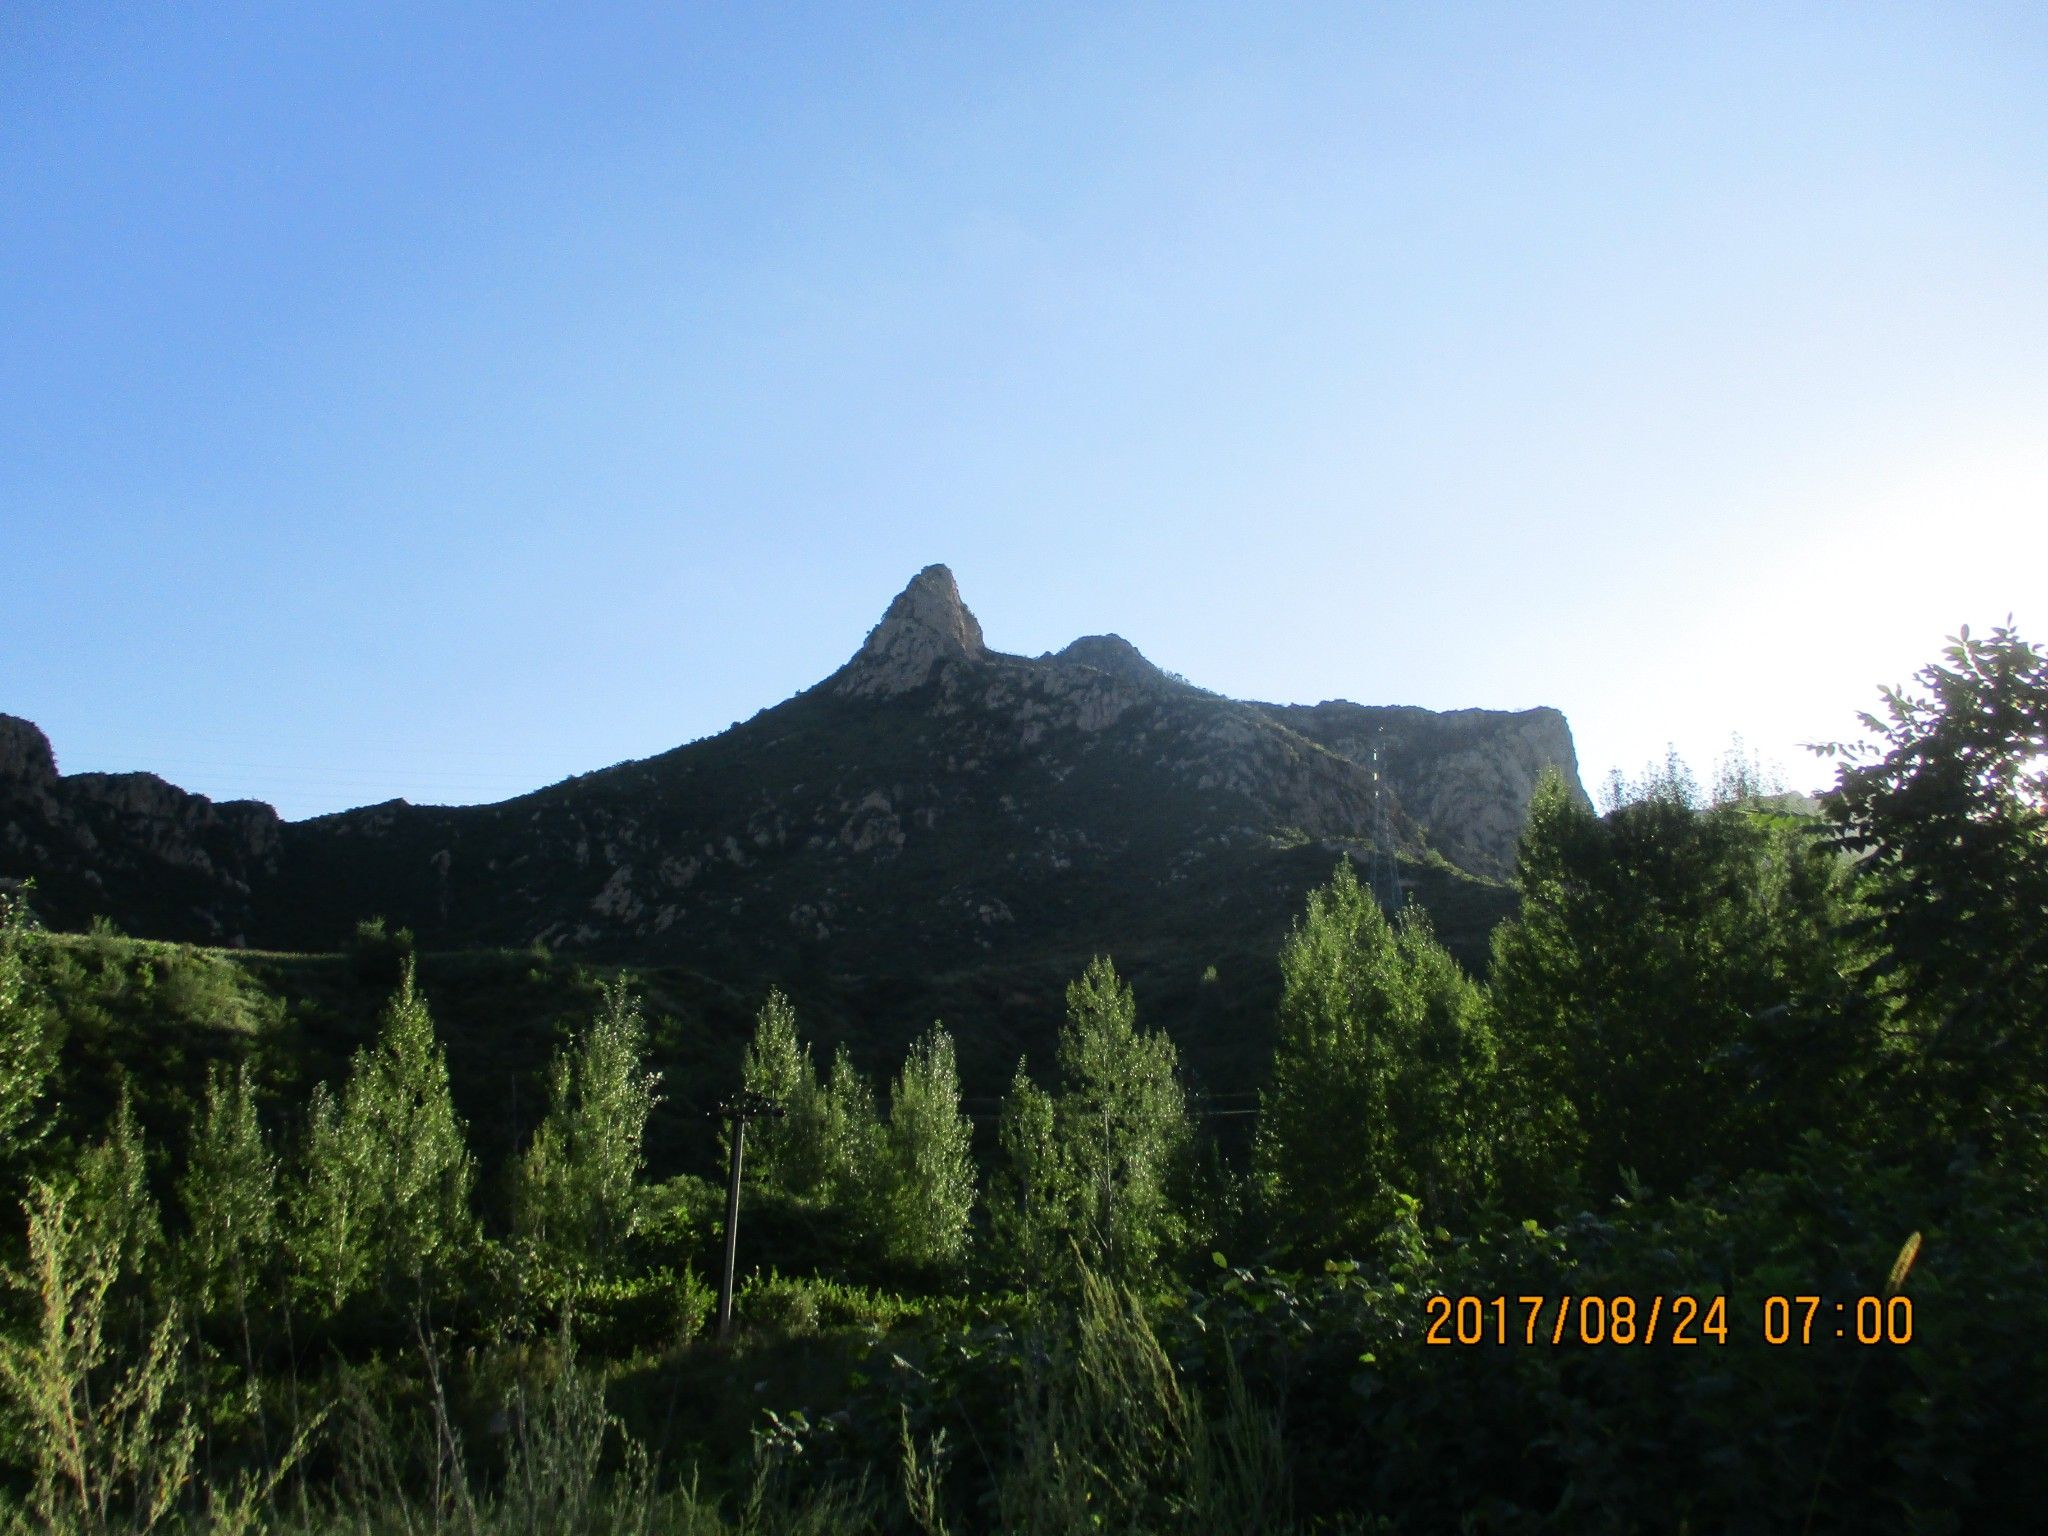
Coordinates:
[925,625]
[158,859]
[1465,776]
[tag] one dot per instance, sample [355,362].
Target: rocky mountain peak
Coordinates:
[1112,654]
[25,752]
[925,625]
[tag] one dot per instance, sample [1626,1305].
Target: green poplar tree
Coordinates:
[929,1194]
[110,1198]
[576,1197]
[1381,1072]
[388,1175]
[778,1067]
[1031,1195]
[1122,1127]
[229,1192]
[329,1209]
[1098,1162]
[849,1148]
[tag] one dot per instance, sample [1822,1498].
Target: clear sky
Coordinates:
[438,400]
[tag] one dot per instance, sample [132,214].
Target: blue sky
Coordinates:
[436,401]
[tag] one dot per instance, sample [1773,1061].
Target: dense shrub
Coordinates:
[378,955]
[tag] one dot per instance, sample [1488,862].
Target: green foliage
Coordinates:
[110,1200]
[778,1068]
[109,1438]
[378,955]
[387,1176]
[1033,1189]
[1124,1120]
[1441,1114]
[1100,1163]
[330,1221]
[650,1311]
[28,1042]
[928,1181]
[229,1191]
[1947,812]
[827,1146]
[847,1153]
[1109,1434]
[1924,1436]
[1667,1001]
[1382,1073]
[576,1185]
[902,1190]
[800,1306]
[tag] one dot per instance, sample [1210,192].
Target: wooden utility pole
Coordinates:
[739,1109]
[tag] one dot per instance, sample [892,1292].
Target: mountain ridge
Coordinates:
[932,809]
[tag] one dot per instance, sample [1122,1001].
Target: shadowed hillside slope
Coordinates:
[934,809]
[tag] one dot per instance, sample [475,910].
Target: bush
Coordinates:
[799,1306]
[378,957]
[642,1313]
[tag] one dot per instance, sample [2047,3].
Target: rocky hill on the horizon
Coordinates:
[932,807]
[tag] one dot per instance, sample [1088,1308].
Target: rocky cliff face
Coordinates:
[158,860]
[932,803]
[926,625]
[1464,777]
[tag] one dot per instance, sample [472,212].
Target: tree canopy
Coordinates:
[1946,811]
[1382,1070]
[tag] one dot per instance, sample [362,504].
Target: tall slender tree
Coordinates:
[229,1191]
[1098,1163]
[1381,1072]
[576,1185]
[385,1202]
[929,1196]
[849,1148]
[778,1067]
[1127,1121]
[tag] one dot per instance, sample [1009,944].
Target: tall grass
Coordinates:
[1106,1436]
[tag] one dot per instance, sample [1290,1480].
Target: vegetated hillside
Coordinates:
[157,1015]
[1782,1080]
[935,824]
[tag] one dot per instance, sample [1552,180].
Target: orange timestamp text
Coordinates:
[1679,1320]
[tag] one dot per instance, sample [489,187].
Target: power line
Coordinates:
[1386,870]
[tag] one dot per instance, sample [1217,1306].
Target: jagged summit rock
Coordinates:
[925,625]
[1112,654]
